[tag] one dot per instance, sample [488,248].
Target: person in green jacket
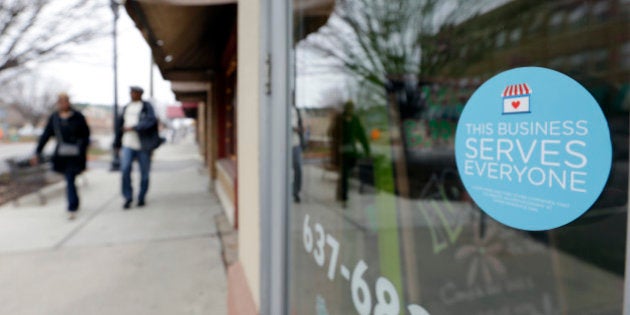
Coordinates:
[347,132]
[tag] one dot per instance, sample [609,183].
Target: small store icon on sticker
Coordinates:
[516,99]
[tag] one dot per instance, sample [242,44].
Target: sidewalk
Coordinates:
[164,258]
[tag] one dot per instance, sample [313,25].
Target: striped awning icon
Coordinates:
[516,90]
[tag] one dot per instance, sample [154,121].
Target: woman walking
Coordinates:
[72,133]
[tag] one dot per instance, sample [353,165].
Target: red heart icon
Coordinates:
[516,104]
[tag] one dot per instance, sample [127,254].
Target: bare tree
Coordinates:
[35,31]
[373,39]
[33,96]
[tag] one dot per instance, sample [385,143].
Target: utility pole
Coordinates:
[151,76]
[115,6]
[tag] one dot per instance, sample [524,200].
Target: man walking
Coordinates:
[137,135]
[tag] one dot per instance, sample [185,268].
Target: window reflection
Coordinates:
[601,9]
[556,20]
[379,177]
[578,14]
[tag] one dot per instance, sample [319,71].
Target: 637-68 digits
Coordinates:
[387,300]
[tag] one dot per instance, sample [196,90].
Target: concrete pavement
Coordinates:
[164,258]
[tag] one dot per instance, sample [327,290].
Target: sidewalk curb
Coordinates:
[47,192]
[228,237]
[40,196]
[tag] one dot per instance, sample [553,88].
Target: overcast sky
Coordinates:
[88,76]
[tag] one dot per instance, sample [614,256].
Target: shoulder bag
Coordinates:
[63,148]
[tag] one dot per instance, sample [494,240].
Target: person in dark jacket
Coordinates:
[346,132]
[138,136]
[298,143]
[72,133]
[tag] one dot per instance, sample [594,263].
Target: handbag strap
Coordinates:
[57,129]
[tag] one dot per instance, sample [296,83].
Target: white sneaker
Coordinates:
[72,215]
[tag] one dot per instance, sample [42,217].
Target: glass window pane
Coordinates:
[380,221]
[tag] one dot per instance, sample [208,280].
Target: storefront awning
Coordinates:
[516,90]
[173,112]
[187,37]
[311,15]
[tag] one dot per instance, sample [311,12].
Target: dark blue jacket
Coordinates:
[147,128]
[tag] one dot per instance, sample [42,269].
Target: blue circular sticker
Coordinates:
[533,148]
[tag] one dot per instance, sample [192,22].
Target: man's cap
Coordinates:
[135,88]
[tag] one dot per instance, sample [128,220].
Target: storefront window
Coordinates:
[380,221]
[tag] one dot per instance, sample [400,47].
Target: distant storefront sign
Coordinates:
[533,148]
